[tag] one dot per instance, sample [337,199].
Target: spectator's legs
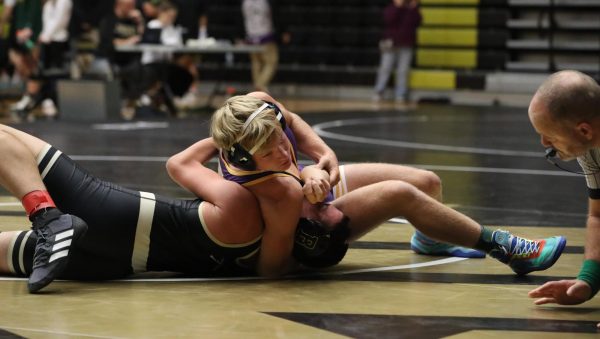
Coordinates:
[270,59]
[256,66]
[404,57]
[264,65]
[385,69]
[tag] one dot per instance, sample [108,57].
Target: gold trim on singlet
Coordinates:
[22,251]
[217,241]
[141,244]
[41,156]
[42,153]
[341,188]
[9,253]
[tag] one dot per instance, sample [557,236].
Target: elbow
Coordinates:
[173,166]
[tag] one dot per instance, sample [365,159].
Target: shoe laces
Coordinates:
[525,248]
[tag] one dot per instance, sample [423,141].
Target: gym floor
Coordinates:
[492,167]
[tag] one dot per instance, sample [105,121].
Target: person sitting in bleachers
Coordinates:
[125,26]
[84,30]
[162,76]
[53,42]
[26,24]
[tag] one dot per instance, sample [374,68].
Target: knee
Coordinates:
[8,143]
[431,184]
[399,191]
[5,139]
[434,183]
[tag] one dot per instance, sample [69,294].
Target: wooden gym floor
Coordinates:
[492,167]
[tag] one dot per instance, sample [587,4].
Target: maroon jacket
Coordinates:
[400,24]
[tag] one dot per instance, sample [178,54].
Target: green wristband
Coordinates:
[590,273]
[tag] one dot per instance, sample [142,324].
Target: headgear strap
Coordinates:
[253,115]
[250,118]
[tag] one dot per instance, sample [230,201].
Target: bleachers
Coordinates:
[549,35]
[460,41]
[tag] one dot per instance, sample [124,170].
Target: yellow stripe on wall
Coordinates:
[426,79]
[463,37]
[450,16]
[446,58]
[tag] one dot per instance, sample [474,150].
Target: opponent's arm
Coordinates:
[309,142]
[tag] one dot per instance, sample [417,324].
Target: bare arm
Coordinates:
[316,184]
[574,291]
[280,201]
[592,236]
[186,169]
[222,199]
[309,142]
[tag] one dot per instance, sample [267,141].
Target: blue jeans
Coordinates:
[403,58]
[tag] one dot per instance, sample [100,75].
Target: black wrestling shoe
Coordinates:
[55,232]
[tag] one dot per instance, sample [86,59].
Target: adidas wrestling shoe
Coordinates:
[55,232]
[524,255]
[421,244]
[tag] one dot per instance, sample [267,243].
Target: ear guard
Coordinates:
[242,158]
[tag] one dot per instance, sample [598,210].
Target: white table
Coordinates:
[205,49]
[216,48]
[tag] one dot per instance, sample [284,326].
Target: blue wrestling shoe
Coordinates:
[524,255]
[422,244]
[55,232]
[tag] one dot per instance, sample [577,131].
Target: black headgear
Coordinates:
[242,158]
[316,246]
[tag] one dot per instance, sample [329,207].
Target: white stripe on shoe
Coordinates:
[58,255]
[62,235]
[60,245]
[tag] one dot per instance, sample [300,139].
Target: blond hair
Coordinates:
[227,126]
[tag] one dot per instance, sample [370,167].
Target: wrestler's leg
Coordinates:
[5,239]
[18,166]
[16,252]
[20,175]
[368,206]
[360,175]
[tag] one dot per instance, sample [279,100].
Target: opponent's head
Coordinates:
[565,112]
[250,133]
[317,245]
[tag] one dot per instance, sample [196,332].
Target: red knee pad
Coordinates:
[37,200]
